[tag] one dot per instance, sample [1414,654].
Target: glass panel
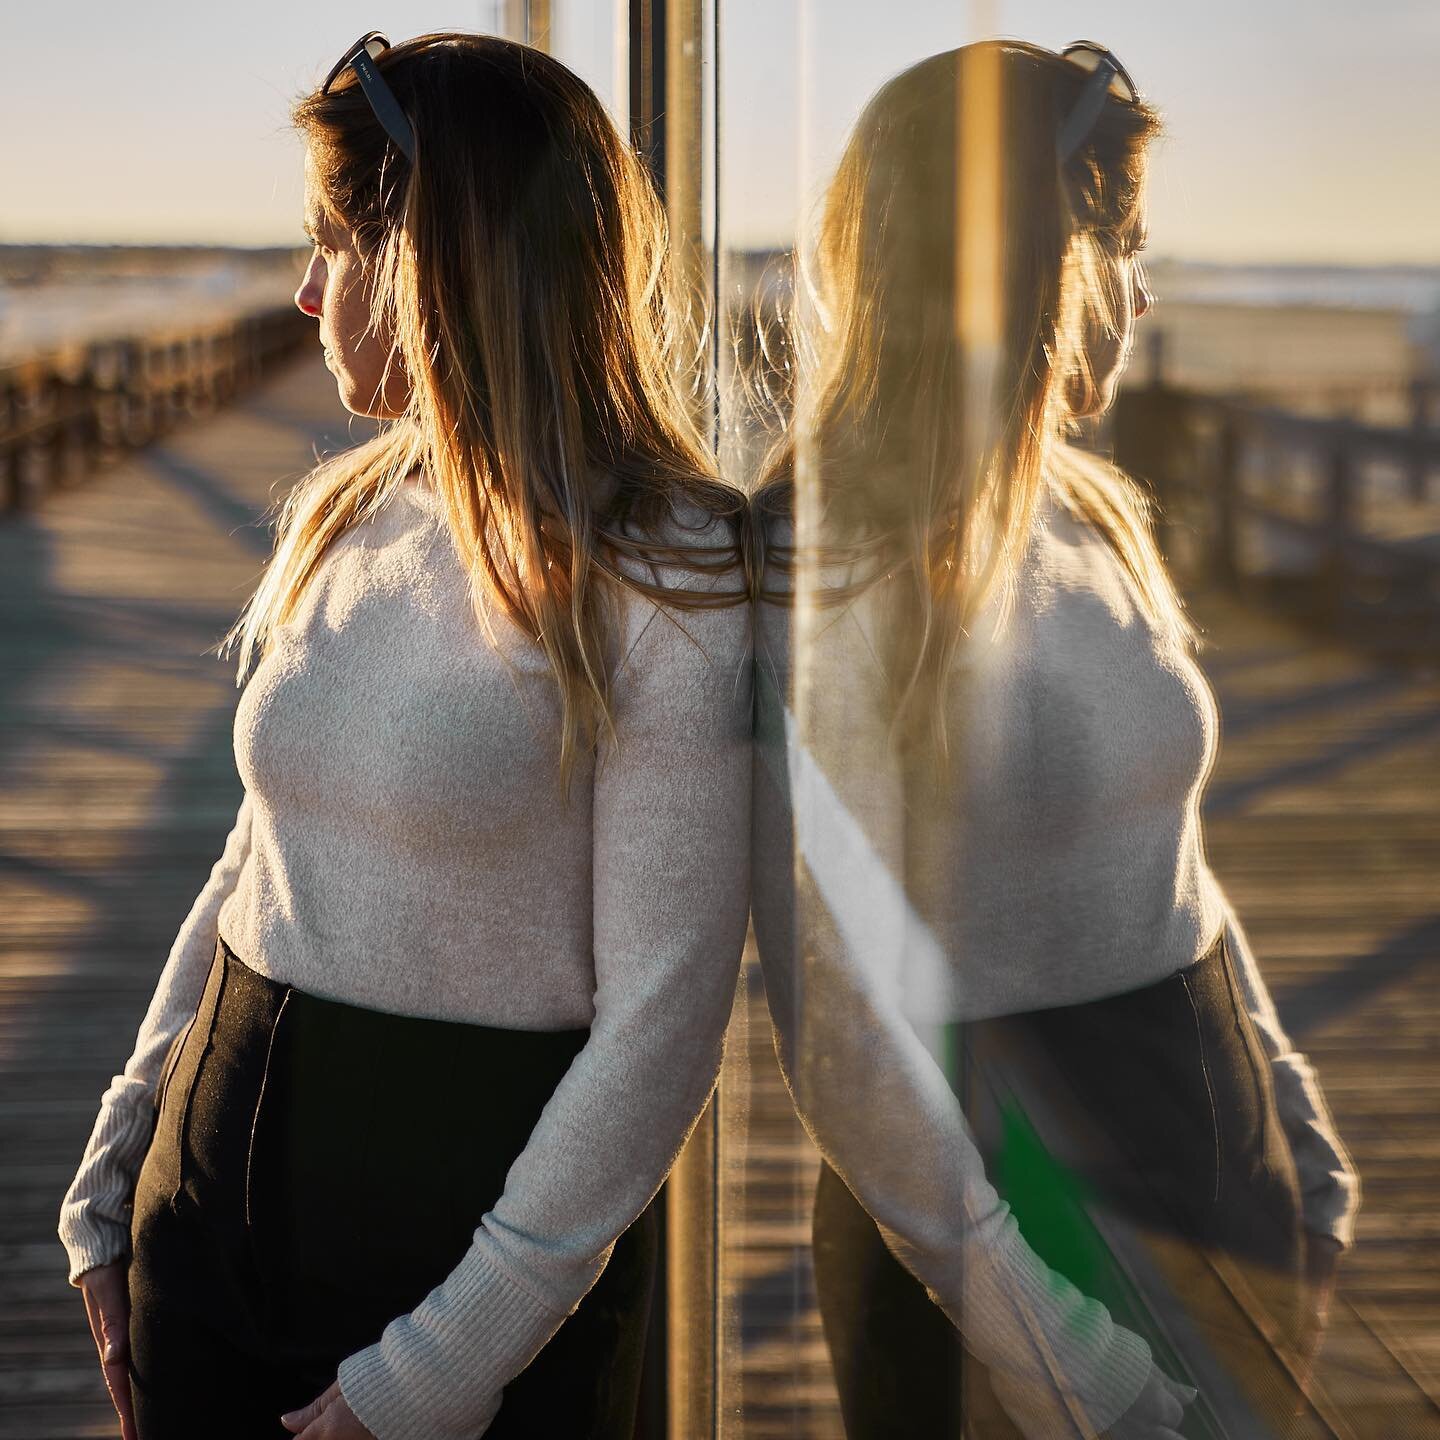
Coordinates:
[996,937]
[794,79]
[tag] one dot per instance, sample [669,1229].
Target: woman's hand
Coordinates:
[1156,1412]
[107,1303]
[327,1417]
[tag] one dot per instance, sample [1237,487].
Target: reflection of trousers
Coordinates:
[1137,1140]
[317,1168]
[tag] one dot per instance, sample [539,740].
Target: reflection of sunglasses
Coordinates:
[1107,77]
[362,55]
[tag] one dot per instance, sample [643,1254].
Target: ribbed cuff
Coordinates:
[438,1373]
[1058,1363]
[94,1243]
[94,1225]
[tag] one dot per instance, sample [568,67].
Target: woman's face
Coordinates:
[1110,354]
[334,292]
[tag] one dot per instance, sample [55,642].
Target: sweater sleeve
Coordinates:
[95,1213]
[841,950]
[1329,1182]
[670,874]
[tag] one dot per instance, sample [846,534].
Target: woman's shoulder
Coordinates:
[1071,559]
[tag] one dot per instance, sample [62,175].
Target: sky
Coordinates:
[1298,130]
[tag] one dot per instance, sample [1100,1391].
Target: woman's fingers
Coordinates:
[107,1306]
[117,1381]
[1181,1394]
[1155,1411]
[1163,1409]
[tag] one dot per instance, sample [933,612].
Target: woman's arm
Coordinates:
[94,1215]
[670,876]
[844,954]
[1329,1182]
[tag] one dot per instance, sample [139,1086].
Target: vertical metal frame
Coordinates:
[648,76]
[672,96]
[528,20]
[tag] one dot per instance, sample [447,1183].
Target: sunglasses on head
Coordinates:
[362,56]
[1108,77]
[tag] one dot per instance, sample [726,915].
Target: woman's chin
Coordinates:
[352,403]
[372,408]
[1095,400]
[345,388]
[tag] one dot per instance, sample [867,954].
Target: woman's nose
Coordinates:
[311,292]
[1144,296]
[307,297]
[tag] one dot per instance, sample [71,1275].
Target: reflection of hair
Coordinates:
[957,259]
[522,269]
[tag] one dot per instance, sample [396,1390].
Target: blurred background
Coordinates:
[159,390]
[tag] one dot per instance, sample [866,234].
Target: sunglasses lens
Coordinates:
[1089,61]
[375,46]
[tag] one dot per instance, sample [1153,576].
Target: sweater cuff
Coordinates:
[94,1224]
[438,1373]
[1329,1181]
[91,1242]
[1332,1210]
[1058,1362]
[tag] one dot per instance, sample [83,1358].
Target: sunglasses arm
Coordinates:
[382,100]
[1082,118]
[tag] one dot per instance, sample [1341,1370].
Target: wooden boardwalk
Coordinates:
[117,784]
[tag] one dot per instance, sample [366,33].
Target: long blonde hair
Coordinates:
[888,463]
[521,266]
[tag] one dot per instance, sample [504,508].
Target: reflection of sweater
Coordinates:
[1065,864]
[403,845]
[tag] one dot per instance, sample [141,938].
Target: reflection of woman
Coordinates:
[455,993]
[997,744]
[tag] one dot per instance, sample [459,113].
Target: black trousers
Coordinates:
[1137,1141]
[316,1169]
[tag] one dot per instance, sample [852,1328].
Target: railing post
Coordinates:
[1227,496]
[10,452]
[86,421]
[1339,506]
[1421,394]
[145,411]
[1156,350]
[53,408]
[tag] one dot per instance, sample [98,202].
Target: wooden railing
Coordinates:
[68,411]
[1339,517]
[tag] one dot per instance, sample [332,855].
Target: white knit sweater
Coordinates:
[1067,863]
[403,844]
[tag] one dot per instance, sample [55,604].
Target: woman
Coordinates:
[1059,1117]
[455,992]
